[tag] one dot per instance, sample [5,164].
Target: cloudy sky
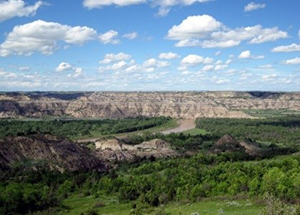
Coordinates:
[146,45]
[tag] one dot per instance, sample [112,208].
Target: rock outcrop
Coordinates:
[115,150]
[189,105]
[58,153]
[227,144]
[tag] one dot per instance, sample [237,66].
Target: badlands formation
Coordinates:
[188,105]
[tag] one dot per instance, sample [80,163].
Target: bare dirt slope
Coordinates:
[57,153]
[187,105]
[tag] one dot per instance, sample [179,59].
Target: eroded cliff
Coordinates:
[132,104]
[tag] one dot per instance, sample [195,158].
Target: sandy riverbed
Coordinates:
[184,124]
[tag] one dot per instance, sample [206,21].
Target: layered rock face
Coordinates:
[115,150]
[58,153]
[189,105]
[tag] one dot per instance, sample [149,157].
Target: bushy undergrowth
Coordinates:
[156,183]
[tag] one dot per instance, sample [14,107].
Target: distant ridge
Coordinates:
[189,105]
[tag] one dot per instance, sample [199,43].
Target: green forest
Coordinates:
[162,186]
[78,128]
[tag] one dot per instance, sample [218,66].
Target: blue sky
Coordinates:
[149,45]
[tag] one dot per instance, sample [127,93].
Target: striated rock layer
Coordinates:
[115,150]
[188,105]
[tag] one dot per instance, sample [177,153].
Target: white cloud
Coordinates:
[192,60]
[292,61]
[63,66]
[109,37]
[24,68]
[253,6]
[256,34]
[91,4]
[290,48]
[6,75]
[130,36]
[132,68]
[185,72]
[21,84]
[247,55]
[270,77]
[152,62]
[119,65]
[221,80]
[194,27]
[267,66]
[218,53]
[41,36]
[207,32]
[78,72]
[208,68]
[165,5]
[267,35]
[17,8]
[168,56]
[108,58]
[220,67]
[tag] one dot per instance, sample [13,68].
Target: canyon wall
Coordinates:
[188,105]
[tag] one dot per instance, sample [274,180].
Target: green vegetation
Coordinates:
[195,131]
[75,129]
[143,186]
[270,113]
[284,130]
[78,204]
[227,183]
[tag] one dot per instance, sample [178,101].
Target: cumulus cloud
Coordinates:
[193,60]
[91,4]
[41,36]
[219,65]
[194,27]
[17,8]
[247,55]
[130,36]
[292,61]
[109,37]
[290,48]
[253,6]
[206,32]
[119,65]
[64,66]
[168,56]
[152,62]
[108,58]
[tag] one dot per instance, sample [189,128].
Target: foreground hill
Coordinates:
[132,104]
[55,152]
